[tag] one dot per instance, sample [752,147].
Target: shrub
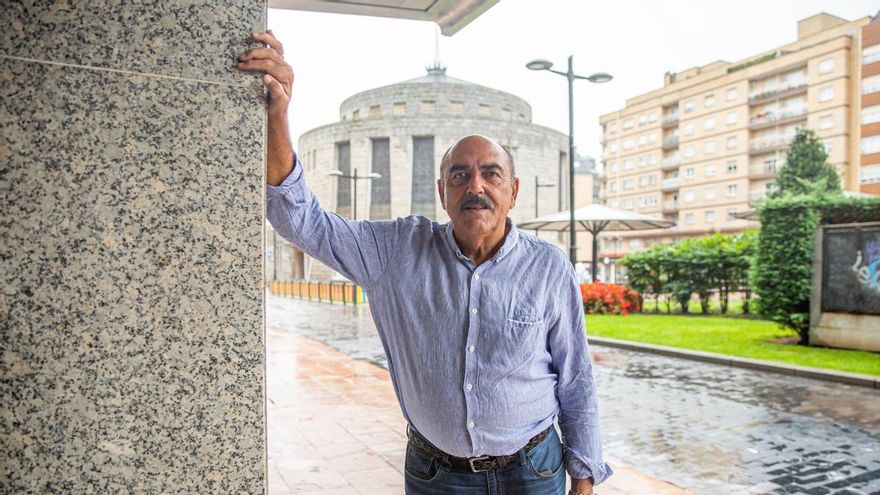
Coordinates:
[614,299]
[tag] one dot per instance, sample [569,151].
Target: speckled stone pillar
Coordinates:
[131,312]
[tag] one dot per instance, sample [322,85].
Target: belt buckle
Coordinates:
[477,459]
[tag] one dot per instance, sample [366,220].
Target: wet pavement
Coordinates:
[709,428]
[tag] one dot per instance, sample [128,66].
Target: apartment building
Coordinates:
[709,142]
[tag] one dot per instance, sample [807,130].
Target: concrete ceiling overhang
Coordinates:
[450,15]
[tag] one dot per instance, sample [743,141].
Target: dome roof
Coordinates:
[437,75]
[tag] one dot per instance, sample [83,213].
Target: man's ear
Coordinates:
[515,191]
[442,193]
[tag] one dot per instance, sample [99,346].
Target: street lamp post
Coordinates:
[598,77]
[354,179]
[538,185]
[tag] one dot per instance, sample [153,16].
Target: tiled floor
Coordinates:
[334,426]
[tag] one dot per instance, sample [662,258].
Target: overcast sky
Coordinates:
[335,56]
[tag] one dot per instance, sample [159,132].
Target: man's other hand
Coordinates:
[277,75]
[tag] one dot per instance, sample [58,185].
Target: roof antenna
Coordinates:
[437,68]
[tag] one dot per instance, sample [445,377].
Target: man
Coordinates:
[482,324]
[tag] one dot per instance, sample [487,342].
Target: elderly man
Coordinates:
[482,324]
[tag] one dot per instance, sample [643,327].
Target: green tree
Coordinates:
[806,169]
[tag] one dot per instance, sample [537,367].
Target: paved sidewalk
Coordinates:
[334,426]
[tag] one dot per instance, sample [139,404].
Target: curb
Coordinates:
[857,379]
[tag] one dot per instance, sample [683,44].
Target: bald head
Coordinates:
[447,157]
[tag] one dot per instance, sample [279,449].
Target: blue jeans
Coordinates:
[539,471]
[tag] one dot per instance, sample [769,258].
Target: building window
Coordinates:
[612,166]
[628,204]
[612,186]
[826,94]
[652,117]
[629,144]
[643,139]
[688,196]
[870,54]
[709,170]
[731,167]
[689,173]
[652,138]
[871,114]
[731,94]
[629,184]
[709,124]
[343,186]
[423,177]
[629,164]
[380,189]
[643,161]
[457,106]
[652,158]
[643,119]
[826,122]
[731,118]
[731,142]
[826,66]
[709,147]
[869,174]
[652,180]
[688,129]
[613,148]
[731,190]
[870,145]
[709,193]
[643,181]
[484,110]
[375,111]
[688,218]
[627,124]
[355,114]
[731,214]
[709,102]
[871,84]
[612,128]
[688,151]
[710,216]
[688,106]
[643,202]
[399,108]
[429,107]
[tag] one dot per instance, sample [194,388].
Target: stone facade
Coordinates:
[446,109]
[131,319]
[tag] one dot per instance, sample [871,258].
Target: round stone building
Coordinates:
[401,132]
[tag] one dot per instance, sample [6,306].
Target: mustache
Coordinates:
[475,200]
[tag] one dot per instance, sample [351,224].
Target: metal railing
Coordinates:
[322,291]
[775,117]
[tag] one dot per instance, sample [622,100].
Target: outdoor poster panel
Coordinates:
[851,270]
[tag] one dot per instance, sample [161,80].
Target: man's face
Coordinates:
[477,188]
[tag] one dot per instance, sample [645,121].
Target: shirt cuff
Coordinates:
[580,467]
[293,180]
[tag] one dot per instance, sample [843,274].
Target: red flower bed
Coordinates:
[612,299]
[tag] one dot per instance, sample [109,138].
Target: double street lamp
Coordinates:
[598,77]
[354,179]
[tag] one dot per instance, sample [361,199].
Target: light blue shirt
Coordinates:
[482,358]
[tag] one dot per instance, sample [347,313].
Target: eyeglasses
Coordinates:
[490,176]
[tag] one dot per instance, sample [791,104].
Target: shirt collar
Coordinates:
[510,241]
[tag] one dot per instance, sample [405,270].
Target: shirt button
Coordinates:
[474,310]
[468,386]
[476,276]
[470,424]
[471,348]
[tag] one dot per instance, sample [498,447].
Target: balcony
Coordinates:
[670,121]
[757,196]
[770,144]
[776,119]
[763,171]
[670,207]
[870,58]
[670,142]
[775,94]
[670,185]
[670,163]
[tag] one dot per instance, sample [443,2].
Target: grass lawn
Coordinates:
[734,307]
[731,336]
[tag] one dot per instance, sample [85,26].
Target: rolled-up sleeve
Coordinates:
[576,387]
[359,250]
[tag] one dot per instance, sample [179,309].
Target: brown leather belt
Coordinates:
[473,464]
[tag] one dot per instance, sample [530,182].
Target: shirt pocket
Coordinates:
[521,337]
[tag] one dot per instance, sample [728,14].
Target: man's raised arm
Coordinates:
[278,79]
